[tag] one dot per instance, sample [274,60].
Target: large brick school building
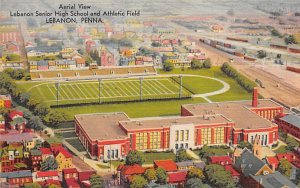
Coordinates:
[111,136]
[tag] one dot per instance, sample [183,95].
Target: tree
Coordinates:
[181,155]
[49,163]
[24,98]
[55,118]
[275,33]
[261,54]
[134,157]
[195,183]
[32,185]
[35,123]
[96,181]
[285,167]
[168,66]
[161,175]
[290,40]
[41,109]
[196,64]
[53,186]
[195,173]
[138,182]
[291,143]
[217,176]
[207,63]
[150,175]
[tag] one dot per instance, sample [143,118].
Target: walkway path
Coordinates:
[192,154]
[205,96]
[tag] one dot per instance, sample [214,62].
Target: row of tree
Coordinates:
[197,64]
[240,79]
[42,113]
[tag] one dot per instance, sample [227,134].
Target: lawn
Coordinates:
[198,85]
[113,90]
[150,157]
[236,92]
[132,109]
[281,149]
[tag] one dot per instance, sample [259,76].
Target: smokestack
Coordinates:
[255,97]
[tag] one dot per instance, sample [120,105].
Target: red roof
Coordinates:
[222,160]
[59,149]
[296,163]
[167,165]
[46,183]
[82,176]
[177,177]
[46,151]
[131,170]
[232,170]
[289,156]
[14,113]
[69,170]
[72,183]
[272,161]
[46,173]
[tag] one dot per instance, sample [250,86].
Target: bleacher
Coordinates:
[102,72]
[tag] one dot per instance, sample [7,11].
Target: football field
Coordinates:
[113,90]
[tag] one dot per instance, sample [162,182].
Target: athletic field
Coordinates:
[113,90]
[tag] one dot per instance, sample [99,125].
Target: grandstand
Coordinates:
[85,74]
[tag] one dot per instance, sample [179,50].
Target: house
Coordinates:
[124,172]
[80,62]
[107,57]
[12,47]
[177,178]
[33,65]
[46,152]
[15,114]
[248,165]
[42,65]
[63,158]
[46,175]
[84,178]
[273,180]
[70,177]
[5,101]
[18,123]
[51,65]
[187,165]
[168,165]
[234,173]
[2,124]
[172,58]
[35,159]
[17,177]
[289,156]
[221,160]
[42,51]
[49,182]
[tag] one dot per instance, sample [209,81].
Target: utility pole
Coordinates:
[99,94]
[141,88]
[180,88]
[57,93]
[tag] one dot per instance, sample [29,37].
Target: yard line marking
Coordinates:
[134,90]
[62,91]
[160,89]
[151,86]
[68,90]
[110,90]
[80,90]
[94,92]
[160,83]
[51,91]
[137,89]
[123,88]
[86,90]
[117,89]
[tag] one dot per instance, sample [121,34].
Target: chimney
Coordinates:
[255,97]
[273,167]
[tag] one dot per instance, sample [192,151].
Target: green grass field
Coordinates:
[111,90]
